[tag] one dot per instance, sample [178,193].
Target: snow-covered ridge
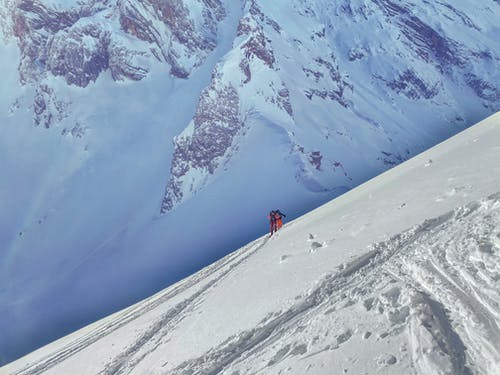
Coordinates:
[399,275]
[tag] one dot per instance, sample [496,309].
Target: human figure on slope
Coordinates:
[272,222]
[279,218]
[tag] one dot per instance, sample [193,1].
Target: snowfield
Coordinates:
[398,276]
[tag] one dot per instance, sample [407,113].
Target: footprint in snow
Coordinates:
[343,337]
[315,246]
[386,360]
[368,303]
[299,350]
[383,335]
[487,247]
[280,354]
[284,257]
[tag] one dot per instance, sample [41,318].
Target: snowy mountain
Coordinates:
[399,276]
[141,139]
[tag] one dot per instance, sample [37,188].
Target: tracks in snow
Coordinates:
[432,304]
[458,267]
[250,342]
[210,275]
[437,283]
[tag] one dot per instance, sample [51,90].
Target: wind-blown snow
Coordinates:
[400,275]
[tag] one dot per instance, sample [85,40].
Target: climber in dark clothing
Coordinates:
[272,222]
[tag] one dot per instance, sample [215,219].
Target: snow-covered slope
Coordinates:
[398,276]
[142,139]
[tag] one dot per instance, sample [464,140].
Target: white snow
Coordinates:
[400,275]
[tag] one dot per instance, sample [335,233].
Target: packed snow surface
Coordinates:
[400,275]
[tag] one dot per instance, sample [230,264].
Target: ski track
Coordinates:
[459,286]
[427,286]
[169,319]
[252,341]
[430,284]
[159,329]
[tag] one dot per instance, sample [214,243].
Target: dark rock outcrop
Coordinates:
[175,38]
[256,45]
[431,46]
[413,87]
[79,54]
[202,147]
[82,40]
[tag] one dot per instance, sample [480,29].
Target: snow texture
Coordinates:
[404,279]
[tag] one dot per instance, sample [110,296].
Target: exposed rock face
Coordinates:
[47,107]
[79,54]
[482,88]
[201,149]
[413,87]
[209,140]
[413,63]
[42,34]
[81,40]
[430,46]
[288,62]
[175,37]
[125,64]
[326,70]
[256,44]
